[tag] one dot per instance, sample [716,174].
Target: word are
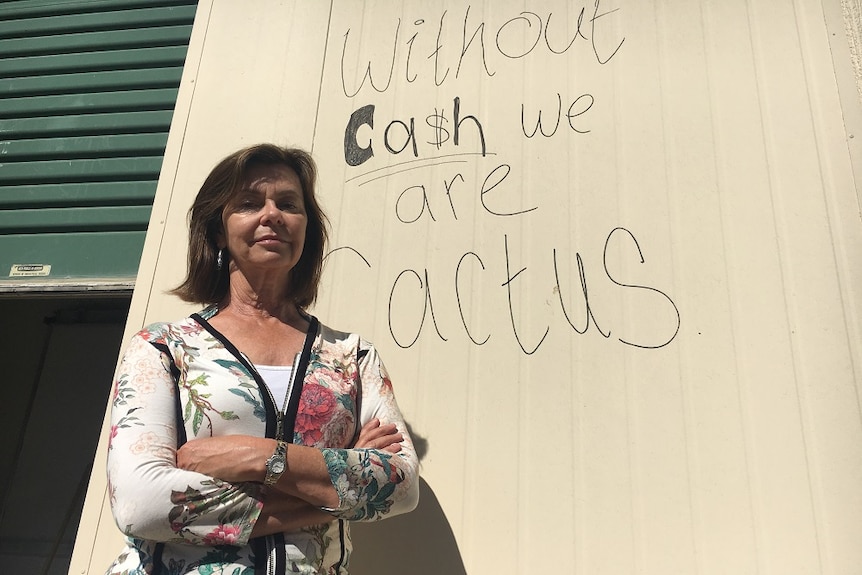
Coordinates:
[414,201]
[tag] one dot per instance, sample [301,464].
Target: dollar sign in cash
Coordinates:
[437,121]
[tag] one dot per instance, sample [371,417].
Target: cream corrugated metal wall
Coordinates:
[637,335]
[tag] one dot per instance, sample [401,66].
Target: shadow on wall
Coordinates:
[419,543]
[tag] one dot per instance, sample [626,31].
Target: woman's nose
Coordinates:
[270,213]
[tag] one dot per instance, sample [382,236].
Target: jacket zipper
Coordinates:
[270,556]
[271,547]
[280,413]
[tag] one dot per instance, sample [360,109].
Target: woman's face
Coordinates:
[264,223]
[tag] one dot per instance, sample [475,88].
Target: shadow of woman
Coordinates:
[419,543]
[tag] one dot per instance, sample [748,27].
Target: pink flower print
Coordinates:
[384,377]
[337,380]
[190,328]
[223,535]
[394,474]
[339,430]
[315,406]
[144,442]
[144,385]
[113,434]
[145,376]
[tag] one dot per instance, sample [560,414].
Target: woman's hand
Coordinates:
[373,435]
[284,513]
[233,458]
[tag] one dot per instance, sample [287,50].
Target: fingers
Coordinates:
[379,441]
[390,443]
[385,437]
[393,448]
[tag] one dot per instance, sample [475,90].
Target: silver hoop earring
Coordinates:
[219,259]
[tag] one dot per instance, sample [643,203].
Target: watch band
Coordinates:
[276,464]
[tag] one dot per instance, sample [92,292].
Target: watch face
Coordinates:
[277,466]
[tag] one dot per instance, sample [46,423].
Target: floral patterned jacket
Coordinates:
[183,380]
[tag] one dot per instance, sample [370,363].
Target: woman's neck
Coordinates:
[264,301]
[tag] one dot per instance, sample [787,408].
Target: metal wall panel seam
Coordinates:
[82,42]
[112,20]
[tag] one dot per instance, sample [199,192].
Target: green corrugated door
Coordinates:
[87,91]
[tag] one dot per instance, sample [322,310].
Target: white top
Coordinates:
[277,379]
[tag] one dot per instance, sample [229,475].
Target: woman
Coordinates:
[246,437]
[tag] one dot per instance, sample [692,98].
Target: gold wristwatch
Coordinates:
[276,464]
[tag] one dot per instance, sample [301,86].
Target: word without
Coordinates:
[516,38]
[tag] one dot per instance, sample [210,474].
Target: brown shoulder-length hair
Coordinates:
[205,283]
